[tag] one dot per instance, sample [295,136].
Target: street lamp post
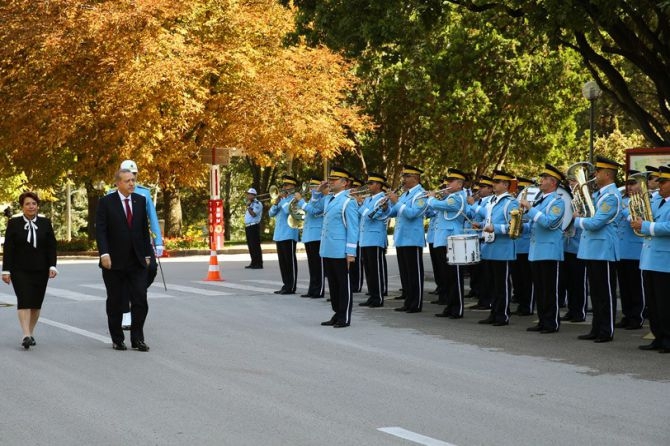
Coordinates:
[591,91]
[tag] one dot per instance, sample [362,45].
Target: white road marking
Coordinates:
[236,286]
[193,290]
[413,436]
[72,295]
[79,331]
[101,286]
[266,282]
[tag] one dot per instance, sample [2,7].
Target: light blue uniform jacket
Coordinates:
[450,216]
[544,226]
[600,239]
[630,245]
[280,212]
[408,213]
[502,247]
[432,222]
[154,226]
[311,231]
[372,230]
[655,254]
[339,233]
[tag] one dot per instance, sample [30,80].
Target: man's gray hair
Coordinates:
[117,175]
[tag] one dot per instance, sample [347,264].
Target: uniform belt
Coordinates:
[251,224]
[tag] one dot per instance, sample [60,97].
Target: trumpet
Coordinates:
[381,204]
[439,194]
[362,192]
[639,204]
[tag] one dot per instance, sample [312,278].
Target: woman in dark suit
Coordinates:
[29,261]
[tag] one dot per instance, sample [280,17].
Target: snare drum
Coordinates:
[463,249]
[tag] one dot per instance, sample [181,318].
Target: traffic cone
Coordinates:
[213,273]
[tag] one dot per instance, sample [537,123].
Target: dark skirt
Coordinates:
[30,287]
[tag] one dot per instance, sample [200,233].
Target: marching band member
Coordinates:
[600,248]
[339,237]
[652,180]
[654,264]
[546,248]
[450,221]
[252,229]
[311,238]
[372,241]
[574,281]
[409,237]
[479,273]
[522,285]
[498,249]
[629,275]
[356,270]
[285,237]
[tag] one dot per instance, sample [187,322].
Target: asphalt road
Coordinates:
[231,363]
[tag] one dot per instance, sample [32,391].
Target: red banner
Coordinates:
[215,220]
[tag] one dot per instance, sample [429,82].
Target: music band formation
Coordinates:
[544,245]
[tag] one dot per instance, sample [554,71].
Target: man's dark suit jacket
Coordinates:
[21,256]
[115,238]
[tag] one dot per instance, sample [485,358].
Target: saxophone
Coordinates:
[516,218]
[639,204]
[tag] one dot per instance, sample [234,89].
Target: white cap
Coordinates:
[252,191]
[130,165]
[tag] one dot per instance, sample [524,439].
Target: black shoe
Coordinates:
[634,326]
[414,310]
[254,267]
[500,324]
[481,307]
[140,346]
[316,297]
[119,346]
[488,320]
[664,350]
[367,303]
[566,317]
[623,323]
[26,342]
[438,302]
[578,319]
[442,315]
[32,341]
[305,295]
[535,328]
[248,267]
[328,323]
[125,327]
[522,313]
[587,337]
[651,346]
[279,291]
[401,297]
[600,340]
[453,316]
[375,305]
[403,308]
[286,292]
[340,325]
[549,330]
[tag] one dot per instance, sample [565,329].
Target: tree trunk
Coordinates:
[173,219]
[92,197]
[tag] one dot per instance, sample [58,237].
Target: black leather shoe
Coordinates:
[522,313]
[486,321]
[140,346]
[648,347]
[305,295]
[400,309]
[600,340]
[32,341]
[125,327]
[549,330]
[286,292]
[414,310]
[255,267]
[500,324]
[438,302]
[578,319]
[316,297]
[119,346]
[442,315]
[534,328]
[279,291]
[367,303]
[401,297]
[587,337]
[26,342]
[375,305]
[340,325]
[566,317]
[481,307]
[248,267]
[328,323]
[664,350]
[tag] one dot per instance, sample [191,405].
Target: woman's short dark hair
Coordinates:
[28,194]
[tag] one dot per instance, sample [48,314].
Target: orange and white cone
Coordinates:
[213,273]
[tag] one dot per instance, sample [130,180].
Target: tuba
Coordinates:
[639,204]
[582,202]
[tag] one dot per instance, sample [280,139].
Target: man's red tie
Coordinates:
[129,213]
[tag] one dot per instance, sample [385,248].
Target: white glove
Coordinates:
[159,250]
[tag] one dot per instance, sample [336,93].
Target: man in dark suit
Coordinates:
[124,245]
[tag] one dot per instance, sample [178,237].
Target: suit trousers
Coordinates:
[656,286]
[522,284]
[574,281]
[356,272]
[545,274]
[485,281]
[629,278]
[253,233]
[373,262]
[288,264]
[385,282]
[411,259]
[131,282]
[501,286]
[602,283]
[152,271]
[438,258]
[454,284]
[315,267]
[339,287]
